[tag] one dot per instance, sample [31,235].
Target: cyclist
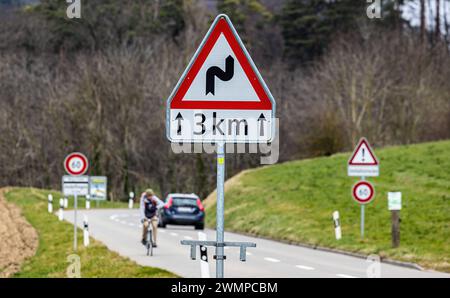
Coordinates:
[149,205]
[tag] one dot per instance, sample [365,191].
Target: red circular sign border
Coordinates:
[367,183]
[79,155]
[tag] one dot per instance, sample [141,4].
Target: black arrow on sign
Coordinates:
[179,118]
[215,71]
[261,125]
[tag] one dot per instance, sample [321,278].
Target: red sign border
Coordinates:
[222,26]
[355,197]
[73,155]
[361,142]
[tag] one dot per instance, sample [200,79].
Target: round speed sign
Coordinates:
[363,192]
[76,164]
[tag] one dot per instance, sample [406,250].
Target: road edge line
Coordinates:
[337,251]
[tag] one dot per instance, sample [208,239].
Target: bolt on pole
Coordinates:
[220,210]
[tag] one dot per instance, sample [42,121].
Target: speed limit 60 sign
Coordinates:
[76,164]
[363,192]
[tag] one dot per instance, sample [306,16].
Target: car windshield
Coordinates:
[184,202]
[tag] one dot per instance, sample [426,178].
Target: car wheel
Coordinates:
[200,226]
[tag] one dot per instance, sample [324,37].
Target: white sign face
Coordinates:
[363,162]
[221,97]
[75,185]
[98,187]
[394,201]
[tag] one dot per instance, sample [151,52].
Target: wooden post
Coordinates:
[395,228]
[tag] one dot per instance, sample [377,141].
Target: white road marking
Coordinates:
[173,234]
[249,253]
[188,237]
[162,231]
[272,260]
[345,276]
[304,267]
[131,224]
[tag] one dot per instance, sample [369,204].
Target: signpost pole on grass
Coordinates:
[362,216]
[75,206]
[213,104]
[75,164]
[363,163]
[395,205]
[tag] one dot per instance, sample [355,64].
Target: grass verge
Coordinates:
[294,202]
[55,244]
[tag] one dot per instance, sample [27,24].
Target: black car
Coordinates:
[182,209]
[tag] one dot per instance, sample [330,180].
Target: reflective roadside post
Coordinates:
[337,225]
[131,200]
[50,203]
[85,231]
[88,202]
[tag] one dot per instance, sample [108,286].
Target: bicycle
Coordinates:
[149,239]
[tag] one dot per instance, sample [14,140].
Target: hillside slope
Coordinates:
[294,201]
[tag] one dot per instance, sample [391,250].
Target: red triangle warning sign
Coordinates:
[221,75]
[363,155]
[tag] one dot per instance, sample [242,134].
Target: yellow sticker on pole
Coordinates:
[221,160]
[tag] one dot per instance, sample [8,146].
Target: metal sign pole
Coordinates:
[362,221]
[75,205]
[220,209]
[362,216]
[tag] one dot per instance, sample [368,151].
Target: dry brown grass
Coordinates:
[19,240]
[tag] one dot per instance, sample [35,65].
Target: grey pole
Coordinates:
[362,221]
[75,205]
[220,209]
[362,216]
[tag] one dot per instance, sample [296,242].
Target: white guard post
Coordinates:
[85,231]
[337,225]
[88,202]
[50,204]
[131,200]
[204,265]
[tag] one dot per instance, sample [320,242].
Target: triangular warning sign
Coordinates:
[363,155]
[221,75]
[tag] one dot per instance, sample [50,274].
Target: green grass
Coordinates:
[294,201]
[56,240]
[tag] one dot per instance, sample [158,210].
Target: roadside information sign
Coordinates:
[394,201]
[221,96]
[75,185]
[363,162]
[98,187]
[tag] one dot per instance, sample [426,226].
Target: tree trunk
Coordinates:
[422,20]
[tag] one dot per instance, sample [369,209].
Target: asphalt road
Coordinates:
[120,231]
